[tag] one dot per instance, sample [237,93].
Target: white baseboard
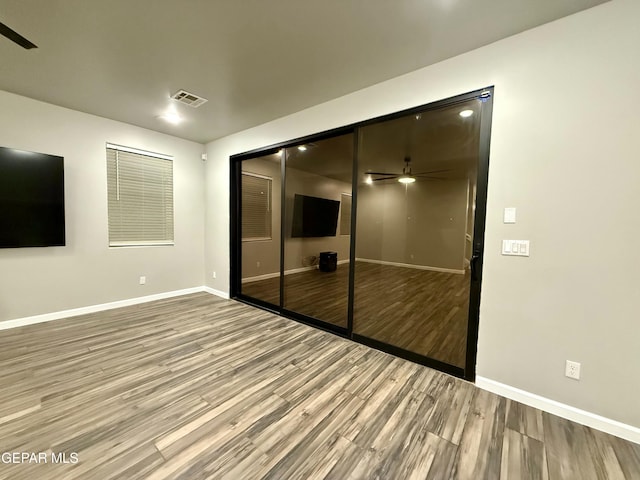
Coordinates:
[218,293]
[410,265]
[257,278]
[74,312]
[613,427]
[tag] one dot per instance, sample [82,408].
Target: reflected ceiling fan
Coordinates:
[16,37]
[406,177]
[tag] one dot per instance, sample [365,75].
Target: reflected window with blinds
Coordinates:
[140,197]
[256,207]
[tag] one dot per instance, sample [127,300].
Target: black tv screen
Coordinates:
[314,217]
[31,199]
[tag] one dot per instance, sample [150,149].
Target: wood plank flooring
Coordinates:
[421,311]
[198,387]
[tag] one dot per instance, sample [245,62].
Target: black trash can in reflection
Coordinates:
[328,261]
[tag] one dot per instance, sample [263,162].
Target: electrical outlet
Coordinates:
[258,264]
[572,370]
[143,280]
[214,275]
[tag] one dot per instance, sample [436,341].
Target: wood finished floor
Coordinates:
[421,311]
[198,387]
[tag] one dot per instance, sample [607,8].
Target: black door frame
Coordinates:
[485,95]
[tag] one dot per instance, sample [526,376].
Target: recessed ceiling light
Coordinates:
[302,148]
[171,117]
[466,113]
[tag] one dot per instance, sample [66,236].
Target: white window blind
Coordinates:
[256,207]
[345,214]
[140,196]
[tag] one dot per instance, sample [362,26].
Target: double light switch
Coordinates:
[518,248]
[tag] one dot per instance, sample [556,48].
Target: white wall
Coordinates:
[564,151]
[86,271]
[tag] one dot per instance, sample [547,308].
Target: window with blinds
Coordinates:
[256,207]
[140,196]
[345,214]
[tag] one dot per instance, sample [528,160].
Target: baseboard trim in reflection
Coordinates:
[410,265]
[286,272]
[613,427]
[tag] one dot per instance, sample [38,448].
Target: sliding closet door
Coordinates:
[260,184]
[397,262]
[317,232]
[415,210]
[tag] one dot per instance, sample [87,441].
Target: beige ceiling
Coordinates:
[254,60]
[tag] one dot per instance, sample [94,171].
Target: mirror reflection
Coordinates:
[416,201]
[260,217]
[318,234]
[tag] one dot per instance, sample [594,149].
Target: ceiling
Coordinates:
[435,140]
[254,60]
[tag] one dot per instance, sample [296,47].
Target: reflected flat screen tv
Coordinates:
[314,217]
[31,199]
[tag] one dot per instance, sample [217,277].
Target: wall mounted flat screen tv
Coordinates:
[314,217]
[31,199]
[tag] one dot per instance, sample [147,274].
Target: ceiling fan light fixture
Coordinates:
[368,180]
[406,179]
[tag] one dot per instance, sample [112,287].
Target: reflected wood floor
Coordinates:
[198,387]
[421,311]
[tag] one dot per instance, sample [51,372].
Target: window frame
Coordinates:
[270,210]
[141,243]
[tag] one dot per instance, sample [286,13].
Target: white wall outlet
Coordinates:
[214,275]
[143,280]
[258,264]
[572,370]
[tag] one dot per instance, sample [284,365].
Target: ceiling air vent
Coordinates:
[188,98]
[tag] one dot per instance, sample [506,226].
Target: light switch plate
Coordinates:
[515,248]
[510,215]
